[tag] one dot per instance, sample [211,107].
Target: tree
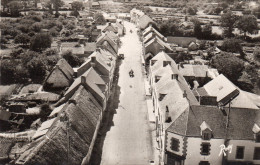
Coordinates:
[37,69]
[197,28]
[57,4]
[7,71]
[227,22]
[45,111]
[247,24]
[257,54]
[40,42]
[207,31]
[232,45]
[22,39]
[191,10]
[99,19]
[15,8]
[76,5]
[229,65]
[73,60]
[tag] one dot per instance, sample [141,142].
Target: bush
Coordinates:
[40,42]
[73,60]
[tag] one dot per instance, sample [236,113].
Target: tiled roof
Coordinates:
[241,122]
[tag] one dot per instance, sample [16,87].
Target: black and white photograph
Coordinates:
[130,82]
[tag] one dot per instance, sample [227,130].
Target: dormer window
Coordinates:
[161,96]
[165,63]
[206,135]
[157,78]
[206,132]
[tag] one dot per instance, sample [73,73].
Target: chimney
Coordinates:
[153,35]
[206,73]
[165,39]
[178,66]
[184,94]
[175,76]
[109,23]
[167,116]
[93,61]
[196,84]
[83,80]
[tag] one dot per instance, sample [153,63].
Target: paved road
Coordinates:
[129,140]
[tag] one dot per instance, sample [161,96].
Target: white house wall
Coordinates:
[248,151]
[194,148]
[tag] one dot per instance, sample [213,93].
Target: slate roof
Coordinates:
[241,122]
[84,115]
[221,87]
[181,41]
[149,30]
[150,36]
[172,88]
[105,38]
[93,80]
[144,21]
[158,40]
[224,89]
[194,70]
[90,46]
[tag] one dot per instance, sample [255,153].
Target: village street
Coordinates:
[129,140]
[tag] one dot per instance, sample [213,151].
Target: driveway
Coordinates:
[129,140]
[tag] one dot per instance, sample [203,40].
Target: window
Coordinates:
[206,135]
[175,144]
[205,148]
[240,152]
[204,163]
[257,153]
